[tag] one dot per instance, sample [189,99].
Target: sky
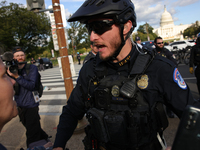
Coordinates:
[150,11]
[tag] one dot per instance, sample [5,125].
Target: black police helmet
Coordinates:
[120,10]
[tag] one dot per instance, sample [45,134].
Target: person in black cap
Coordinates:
[138,41]
[92,53]
[162,51]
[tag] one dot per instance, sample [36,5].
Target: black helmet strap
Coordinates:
[122,41]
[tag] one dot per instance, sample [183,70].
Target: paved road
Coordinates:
[190,79]
[54,96]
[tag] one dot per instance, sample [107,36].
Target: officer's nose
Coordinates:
[93,36]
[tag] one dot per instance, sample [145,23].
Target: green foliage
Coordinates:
[54,62]
[144,28]
[141,32]
[78,35]
[192,31]
[82,50]
[47,54]
[143,36]
[24,28]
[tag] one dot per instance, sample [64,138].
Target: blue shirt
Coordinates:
[2,147]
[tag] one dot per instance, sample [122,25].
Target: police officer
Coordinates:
[138,41]
[195,61]
[161,50]
[123,88]
[92,53]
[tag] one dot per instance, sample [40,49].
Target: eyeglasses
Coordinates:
[160,43]
[99,27]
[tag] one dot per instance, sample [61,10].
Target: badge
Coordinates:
[143,82]
[178,79]
[115,91]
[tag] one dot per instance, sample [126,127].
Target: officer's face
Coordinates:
[159,43]
[106,37]
[94,49]
[8,106]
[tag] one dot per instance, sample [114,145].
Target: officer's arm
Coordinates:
[66,127]
[31,80]
[176,92]
[191,57]
[72,112]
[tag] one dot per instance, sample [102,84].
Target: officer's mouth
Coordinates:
[100,47]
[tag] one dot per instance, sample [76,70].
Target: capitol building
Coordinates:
[167,29]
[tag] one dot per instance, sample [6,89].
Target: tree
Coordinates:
[192,31]
[142,32]
[78,36]
[142,28]
[24,28]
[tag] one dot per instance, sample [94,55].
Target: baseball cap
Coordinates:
[17,49]
[137,38]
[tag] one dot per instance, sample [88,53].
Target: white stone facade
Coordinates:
[167,29]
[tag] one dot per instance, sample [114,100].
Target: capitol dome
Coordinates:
[166,18]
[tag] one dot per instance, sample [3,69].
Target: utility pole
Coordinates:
[148,39]
[72,39]
[62,48]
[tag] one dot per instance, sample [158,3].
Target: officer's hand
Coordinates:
[15,75]
[191,70]
[58,148]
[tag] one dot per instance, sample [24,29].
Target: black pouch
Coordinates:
[95,117]
[116,127]
[161,116]
[133,136]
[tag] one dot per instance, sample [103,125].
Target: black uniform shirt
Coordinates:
[166,53]
[164,83]
[89,56]
[195,55]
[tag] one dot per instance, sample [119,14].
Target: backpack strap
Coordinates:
[27,68]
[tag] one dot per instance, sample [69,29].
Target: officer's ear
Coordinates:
[127,27]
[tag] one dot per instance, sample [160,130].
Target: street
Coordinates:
[54,96]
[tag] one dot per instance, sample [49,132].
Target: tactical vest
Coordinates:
[118,113]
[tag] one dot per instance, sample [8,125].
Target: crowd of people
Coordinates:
[122,87]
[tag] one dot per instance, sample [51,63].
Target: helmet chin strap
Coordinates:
[123,41]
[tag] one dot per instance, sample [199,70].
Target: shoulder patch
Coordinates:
[178,79]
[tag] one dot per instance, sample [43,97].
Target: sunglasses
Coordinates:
[99,27]
[160,43]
